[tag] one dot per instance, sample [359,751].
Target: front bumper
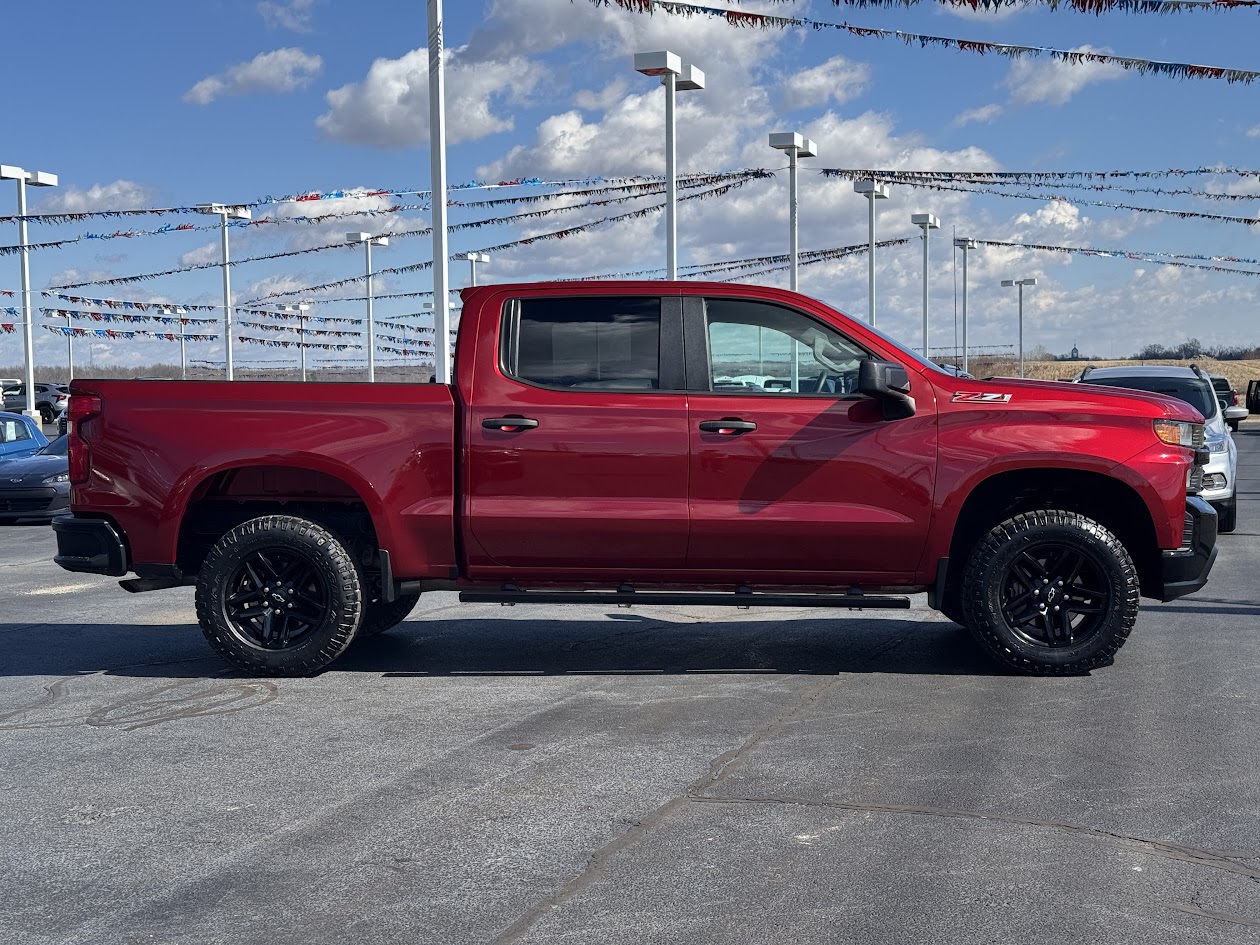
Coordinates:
[1186,569]
[92,545]
[36,502]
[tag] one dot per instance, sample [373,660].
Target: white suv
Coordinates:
[1193,386]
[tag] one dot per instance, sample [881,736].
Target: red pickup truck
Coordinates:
[644,443]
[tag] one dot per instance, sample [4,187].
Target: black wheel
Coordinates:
[279,596]
[1050,592]
[1233,424]
[1227,515]
[381,615]
[45,414]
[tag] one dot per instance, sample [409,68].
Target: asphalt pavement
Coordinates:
[485,774]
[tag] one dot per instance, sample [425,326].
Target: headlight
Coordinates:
[1180,433]
[1217,444]
[60,477]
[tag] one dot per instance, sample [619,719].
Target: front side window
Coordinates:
[757,347]
[604,343]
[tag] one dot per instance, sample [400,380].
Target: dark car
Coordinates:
[36,486]
[1235,411]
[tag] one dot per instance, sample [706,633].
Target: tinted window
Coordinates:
[1190,389]
[755,347]
[586,343]
[58,447]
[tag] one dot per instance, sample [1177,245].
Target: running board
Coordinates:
[853,600]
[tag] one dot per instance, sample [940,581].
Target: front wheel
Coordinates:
[279,596]
[45,414]
[1227,515]
[1050,592]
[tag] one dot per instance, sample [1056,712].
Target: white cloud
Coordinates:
[118,195]
[281,70]
[837,80]
[1253,132]
[390,107]
[983,115]
[292,15]
[1055,82]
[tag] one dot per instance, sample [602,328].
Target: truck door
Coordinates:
[577,439]
[792,471]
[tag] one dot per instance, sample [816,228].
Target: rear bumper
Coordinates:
[91,545]
[1186,569]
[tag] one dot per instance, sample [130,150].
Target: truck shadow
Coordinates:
[618,644]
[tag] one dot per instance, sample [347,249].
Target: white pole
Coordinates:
[870,291]
[671,179]
[964,337]
[1021,328]
[437,162]
[371,330]
[227,293]
[302,341]
[28,337]
[183,363]
[792,219]
[472,269]
[925,293]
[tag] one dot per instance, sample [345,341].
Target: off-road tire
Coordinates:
[381,615]
[279,596]
[1030,578]
[1227,515]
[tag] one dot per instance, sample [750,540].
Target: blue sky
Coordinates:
[153,104]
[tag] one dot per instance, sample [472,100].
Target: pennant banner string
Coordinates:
[1180,70]
[1095,7]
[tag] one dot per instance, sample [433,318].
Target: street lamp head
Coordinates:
[1007,283]
[926,220]
[871,188]
[475,257]
[240,213]
[792,141]
[225,210]
[658,63]
[1027,281]
[964,243]
[689,80]
[10,172]
[41,179]
[358,237]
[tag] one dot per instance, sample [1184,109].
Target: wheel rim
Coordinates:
[1055,595]
[276,599]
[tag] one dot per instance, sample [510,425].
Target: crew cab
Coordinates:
[584,454]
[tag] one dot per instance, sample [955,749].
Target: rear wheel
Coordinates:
[381,615]
[279,596]
[1050,592]
[45,413]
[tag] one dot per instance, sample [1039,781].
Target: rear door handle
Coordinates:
[509,424]
[727,426]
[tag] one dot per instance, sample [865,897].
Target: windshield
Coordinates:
[1193,391]
[57,447]
[902,349]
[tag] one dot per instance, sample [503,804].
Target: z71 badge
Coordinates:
[977,398]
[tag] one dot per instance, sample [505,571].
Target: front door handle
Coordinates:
[509,424]
[727,426]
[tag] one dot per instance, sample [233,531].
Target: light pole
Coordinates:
[183,362]
[796,146]
[224,213]
[35,179]
[676,77]
[1021,283]
[926,221]
[437,168]
[964,244]
[473,259]
[367,240]
[299,310]
[872,190]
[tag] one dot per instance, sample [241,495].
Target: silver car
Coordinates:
[1220,487]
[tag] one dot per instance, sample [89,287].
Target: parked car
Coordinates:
[1194,386]
[36,486]
[49,399]
[19,436]
[955,370]
[1235,411]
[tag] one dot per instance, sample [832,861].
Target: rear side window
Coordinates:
[605,343]
[13,430]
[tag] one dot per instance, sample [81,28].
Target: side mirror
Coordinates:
[889,383]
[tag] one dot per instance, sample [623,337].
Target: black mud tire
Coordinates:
[279,596]
[1029,565]
[381,615]
[1227,515]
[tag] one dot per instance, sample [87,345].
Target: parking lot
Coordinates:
[590,775]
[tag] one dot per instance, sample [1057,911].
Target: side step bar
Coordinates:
[625,598]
